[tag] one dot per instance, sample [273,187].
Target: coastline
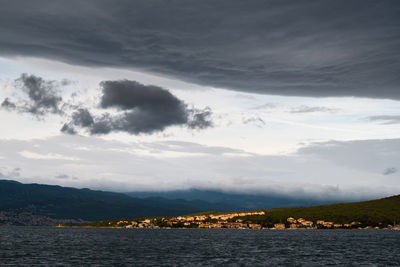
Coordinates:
[256,220]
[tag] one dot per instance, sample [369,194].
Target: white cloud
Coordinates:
[33,155]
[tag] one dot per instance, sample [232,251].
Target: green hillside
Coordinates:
[381,213]
[374,212]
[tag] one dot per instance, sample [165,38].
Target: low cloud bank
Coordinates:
[351,170]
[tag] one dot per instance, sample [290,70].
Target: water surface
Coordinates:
[46,246]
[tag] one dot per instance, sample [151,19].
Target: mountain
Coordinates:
[223,201]
[41,203]
[373,212]
[36,204]
[382,213]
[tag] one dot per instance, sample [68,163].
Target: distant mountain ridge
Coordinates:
[83,204]
[38,204]
[228,201]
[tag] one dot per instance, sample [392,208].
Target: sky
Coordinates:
[296,98]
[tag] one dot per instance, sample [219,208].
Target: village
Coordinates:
[235,221]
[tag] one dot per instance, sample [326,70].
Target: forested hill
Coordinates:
[37,202]
[373,212]
[85,204]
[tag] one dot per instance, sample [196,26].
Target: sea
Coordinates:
[50,246]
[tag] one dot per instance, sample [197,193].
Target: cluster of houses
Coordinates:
[230,221]
[198,221]
[303,223]
[224,217]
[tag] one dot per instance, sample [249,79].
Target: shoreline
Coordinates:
[271,229]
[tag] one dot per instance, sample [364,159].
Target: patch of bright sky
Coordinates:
[255,123]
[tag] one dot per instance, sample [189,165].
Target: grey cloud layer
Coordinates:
[145,109]
[305,48]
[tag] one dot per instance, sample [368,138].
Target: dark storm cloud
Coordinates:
[138,108]
[79,118]
[82,117]
[41,96]
[142,109]
[305,48]
[68,129]
[127,94]
[308,109]
[199,118]
[385,119]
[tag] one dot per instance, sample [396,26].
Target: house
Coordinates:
[279,226]
[300,220]
[201,218]
[396,227]
[337,225]
[235,225]
[204,225]
[307,223]
[291,220]
[321,222]
[328,224]
[254,226]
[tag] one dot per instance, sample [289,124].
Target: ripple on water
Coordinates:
[47,246]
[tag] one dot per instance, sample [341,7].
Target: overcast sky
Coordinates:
[285,97]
